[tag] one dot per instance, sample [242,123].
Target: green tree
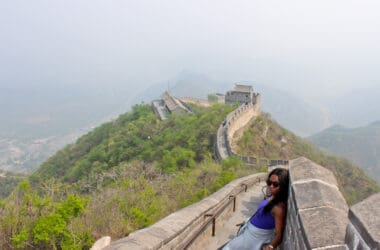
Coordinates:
[212,98]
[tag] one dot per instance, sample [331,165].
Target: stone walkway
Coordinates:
[246,205]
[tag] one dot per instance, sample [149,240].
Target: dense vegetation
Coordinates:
[8,181]
[265,138]
[175,144]
[122,176]
[129,173]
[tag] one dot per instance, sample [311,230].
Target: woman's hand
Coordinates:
[268,247]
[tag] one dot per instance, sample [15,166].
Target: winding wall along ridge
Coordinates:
[237,120]
[317,215]
[234,121]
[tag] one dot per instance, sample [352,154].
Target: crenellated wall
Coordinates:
[168,104]
[191,223]
[317,218]
[240,118]
[363,231]
[317,211]
[236,120]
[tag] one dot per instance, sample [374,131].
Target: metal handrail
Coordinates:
[212,219]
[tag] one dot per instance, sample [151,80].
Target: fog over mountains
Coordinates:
[39,123]
[357,108]
[67,66]
[34,111]
[294,111]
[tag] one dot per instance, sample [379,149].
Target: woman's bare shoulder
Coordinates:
[279,209]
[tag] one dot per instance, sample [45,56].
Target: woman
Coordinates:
[266,227]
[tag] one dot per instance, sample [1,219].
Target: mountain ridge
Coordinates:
[279,143]
[361,145]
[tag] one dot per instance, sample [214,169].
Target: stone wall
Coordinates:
[168,104]
[317,218]
[240,119]
[221,151]
[196,101]
[363,232]
[160,109]
[233,121]
[236,120]
[317,211]
[176,230]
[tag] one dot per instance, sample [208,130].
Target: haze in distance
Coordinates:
[65,67]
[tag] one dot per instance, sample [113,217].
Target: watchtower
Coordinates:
[241,94]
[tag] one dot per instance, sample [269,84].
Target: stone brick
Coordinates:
[324,226]
[365,217]
[342,247]
[304,169]
[317,209]
[316,194]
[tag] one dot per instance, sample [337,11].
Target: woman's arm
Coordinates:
[279,214]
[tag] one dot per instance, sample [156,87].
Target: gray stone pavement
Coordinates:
[246,205]
[222,142]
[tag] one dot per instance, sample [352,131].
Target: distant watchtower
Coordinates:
[242,94]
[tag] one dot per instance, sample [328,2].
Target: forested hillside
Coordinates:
[122,176]
[8,181]
[360,145]
[176,144]
[131,172]
[265,138]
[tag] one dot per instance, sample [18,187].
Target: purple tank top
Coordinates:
[261,219]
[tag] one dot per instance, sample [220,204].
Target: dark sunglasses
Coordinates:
[274,183]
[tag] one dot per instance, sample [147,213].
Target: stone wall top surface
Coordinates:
[324,226]
[174,224]
[365,216]
[304,170]
[322,210]
[317,194]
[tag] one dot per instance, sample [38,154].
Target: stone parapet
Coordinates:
[196,101]
[364,229]
[317,211]
[160,109]
[230,130]
[317,217]
[236,120]
[168,104]
[175,230]
[240,118]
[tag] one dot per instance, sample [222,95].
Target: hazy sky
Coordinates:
[306,47]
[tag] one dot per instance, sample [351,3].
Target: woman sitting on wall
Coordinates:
[265,228]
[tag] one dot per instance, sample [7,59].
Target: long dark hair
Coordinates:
[283,177]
